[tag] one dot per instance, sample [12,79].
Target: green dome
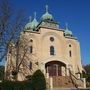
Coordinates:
[68,32]
[32,24]
[28,25]
[47,16]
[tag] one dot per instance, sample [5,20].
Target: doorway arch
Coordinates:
[55,68]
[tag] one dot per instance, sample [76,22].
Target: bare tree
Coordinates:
[10,26]
[12,47]
[20,59]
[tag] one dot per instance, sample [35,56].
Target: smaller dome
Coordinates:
[28,25]
[34,23]
[68,32]
[47,16]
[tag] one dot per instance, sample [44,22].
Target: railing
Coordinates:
[70,81]
[76,81]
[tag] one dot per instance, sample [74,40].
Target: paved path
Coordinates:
[61,89]
[70,89]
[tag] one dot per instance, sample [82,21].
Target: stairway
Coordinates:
[64,89]
[62,81]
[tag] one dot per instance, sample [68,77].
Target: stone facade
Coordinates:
[47,47]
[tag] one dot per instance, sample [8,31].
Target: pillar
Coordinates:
[51,83]
[47,74]
[78,75]
[56,70]
[84,80]
[63,71]
[67,70]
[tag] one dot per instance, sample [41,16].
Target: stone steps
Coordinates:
[63,89]
[62,82]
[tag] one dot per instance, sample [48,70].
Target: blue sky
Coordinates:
[75,12]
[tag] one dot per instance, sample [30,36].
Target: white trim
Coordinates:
[54,59]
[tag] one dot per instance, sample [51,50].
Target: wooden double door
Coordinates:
[54,68]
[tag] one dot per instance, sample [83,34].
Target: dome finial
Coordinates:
[30,19]
[67,31]
[47,15]
[34,15]
[34,23]
[46,8]
[66,26]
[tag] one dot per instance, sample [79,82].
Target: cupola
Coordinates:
[32,24]
[47,15]
[67,31]
[28,25]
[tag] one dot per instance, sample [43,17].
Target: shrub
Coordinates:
[35,82]
[17,85]
[38,81]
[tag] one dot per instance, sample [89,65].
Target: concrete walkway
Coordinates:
[64,89]
[70,89]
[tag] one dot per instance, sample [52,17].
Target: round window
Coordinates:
[51,39]
[31,40]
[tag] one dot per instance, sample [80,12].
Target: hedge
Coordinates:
[17,85]
[35,82]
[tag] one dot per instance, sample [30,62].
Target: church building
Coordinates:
[46,46]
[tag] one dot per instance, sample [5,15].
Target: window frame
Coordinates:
[52,50]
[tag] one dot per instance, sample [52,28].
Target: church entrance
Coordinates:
[55,68]
[57,71]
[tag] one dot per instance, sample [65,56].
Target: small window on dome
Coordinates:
[51,39]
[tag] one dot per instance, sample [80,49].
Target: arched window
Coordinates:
[31,49]
[52,52]
[70,53]
[69,45]
[30,65]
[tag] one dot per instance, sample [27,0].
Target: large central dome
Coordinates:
[47,15]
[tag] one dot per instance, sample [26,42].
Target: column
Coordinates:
[47,74]
[84,80]
[79,75]
[56,70]
[67,70]
[51,83]
[63,70]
